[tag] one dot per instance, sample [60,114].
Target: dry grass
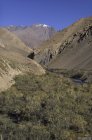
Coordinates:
[47,107]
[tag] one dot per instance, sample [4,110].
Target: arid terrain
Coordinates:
[70,48]
[13,58]
[46,92]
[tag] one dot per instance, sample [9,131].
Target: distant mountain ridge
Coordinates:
[33,35]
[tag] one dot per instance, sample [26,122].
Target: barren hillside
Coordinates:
[69,48]
[13,59]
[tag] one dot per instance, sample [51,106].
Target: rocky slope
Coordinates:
[70,48]
[33,35]
[14,60]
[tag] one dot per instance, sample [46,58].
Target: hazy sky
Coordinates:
[57,13]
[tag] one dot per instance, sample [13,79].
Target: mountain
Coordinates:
[13,59]
[52,104]
[33,35]
[70,48]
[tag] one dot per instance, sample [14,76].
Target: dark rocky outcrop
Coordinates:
[31,55]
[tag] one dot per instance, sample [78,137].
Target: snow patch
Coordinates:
[42,25]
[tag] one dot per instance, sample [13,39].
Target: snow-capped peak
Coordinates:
[42,25]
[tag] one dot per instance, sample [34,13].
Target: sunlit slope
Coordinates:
[14,60]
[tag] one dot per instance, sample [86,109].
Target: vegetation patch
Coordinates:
[47,107]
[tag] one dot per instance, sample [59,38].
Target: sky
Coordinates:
[56,13]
